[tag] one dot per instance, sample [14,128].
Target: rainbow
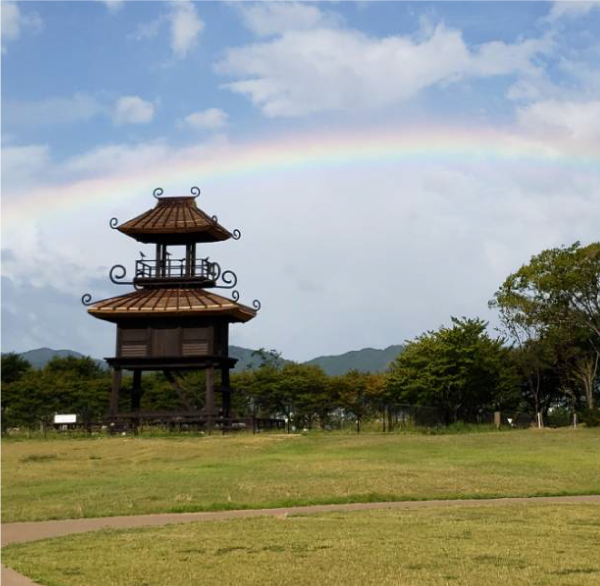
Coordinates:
[201,165]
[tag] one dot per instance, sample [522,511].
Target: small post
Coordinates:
[540,420]
[574,419]
[497,419]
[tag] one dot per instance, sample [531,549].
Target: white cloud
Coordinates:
[574,121]
[113,6]
[571,9]
[271,18]
[11,21]
[108,159]
[210,119]
[133,110]
[22,165]
[147,30]
[469,221]
[15,22]
[185,27]
[303,72]
[57,110]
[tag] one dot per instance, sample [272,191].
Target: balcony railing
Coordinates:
[174,272]
[179,268]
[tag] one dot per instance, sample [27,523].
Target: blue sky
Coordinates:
[79,58]
[106,90]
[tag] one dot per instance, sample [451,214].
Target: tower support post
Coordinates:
[136,391]
[209,406]
[117,376]
[226,392]
[136,398]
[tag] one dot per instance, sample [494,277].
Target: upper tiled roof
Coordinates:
[175,220]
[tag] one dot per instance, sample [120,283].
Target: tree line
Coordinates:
[545,356]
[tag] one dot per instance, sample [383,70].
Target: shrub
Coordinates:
[591,417]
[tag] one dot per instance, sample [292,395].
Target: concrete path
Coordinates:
[34,531]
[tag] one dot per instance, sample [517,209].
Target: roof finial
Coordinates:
[158,192]
[195,191]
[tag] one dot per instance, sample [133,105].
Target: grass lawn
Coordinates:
[127,476]
[492,545]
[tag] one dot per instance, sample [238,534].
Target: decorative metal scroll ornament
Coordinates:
[236,297]
[86,299]
[195,191]
[214,270]
[113,223]
[158,192]
[116,278]
[229,279]
[236,234]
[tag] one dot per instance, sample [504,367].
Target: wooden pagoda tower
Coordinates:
[173,321]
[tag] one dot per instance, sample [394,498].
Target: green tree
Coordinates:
[306,390]
[554,301]
[13,367]
[258,391]
[82,367]
[355,392]
[459,369]
[64,385]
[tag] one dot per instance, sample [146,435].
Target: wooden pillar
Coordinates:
[158,266]
[209,406]
[117,376]
[136,391]
[161,260]
[226,394]
[190,260]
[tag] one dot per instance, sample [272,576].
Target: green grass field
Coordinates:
[542,545]
[127,476]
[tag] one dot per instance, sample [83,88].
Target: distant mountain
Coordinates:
[365,360]
[248,358]
[41,356]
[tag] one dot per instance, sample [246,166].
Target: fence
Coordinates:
[404,416]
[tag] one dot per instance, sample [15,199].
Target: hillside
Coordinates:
[41,356]
[247,358]
[365,360]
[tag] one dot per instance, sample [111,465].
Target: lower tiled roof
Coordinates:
[170,302]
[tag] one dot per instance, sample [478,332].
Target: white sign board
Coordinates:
[65,418]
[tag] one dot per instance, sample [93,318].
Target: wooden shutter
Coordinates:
[195,341]
[134,342]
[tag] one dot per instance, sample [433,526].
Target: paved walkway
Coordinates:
[34,531]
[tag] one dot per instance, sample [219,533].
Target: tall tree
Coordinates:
[459,369]
[14,366]
[355,391]
[555,299]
